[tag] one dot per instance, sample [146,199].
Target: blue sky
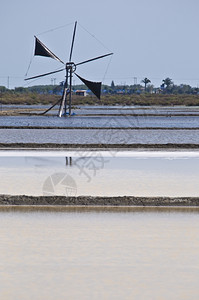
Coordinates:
[154,39]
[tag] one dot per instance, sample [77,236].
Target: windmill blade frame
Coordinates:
[73,40]
[46,74]
[70,68]
[93,59]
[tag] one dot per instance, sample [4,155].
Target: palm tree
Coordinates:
[146,81]
[168,82]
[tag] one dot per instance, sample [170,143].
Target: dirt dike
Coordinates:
[95,146]
[6,200]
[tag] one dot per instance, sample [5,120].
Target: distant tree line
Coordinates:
[145,86]
[167,87]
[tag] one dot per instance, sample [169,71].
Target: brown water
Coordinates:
[99,253]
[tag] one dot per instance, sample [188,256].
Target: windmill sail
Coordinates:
[95,87]
[42,50]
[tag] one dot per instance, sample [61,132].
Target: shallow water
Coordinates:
[96,136]
[131,253]
[100,173]
[100,109]
[103,121]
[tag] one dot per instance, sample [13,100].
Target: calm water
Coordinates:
[131,253]
[103,121]
[102,136]
[100,109]
[167,121]
[99,173]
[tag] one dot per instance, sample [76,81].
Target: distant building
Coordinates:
[120,92]
[81,93]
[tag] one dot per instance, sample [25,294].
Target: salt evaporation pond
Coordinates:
[99,253]
[96,136]
[117,109]
[101,173]
[102,121]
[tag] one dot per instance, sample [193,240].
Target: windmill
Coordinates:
[70,68]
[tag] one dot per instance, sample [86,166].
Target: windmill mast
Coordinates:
[63,103]
[70,94]
[65,90]
[70,68]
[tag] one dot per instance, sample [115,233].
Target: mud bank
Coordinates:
[95,146]
[98,128]
[6,200]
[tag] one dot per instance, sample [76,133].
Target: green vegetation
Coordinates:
[151,99]
[167,94]
[113,99]
[146,81]
[145,86]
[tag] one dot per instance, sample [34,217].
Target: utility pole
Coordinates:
[0,100]
[53,81]
[8,82]
[135,80]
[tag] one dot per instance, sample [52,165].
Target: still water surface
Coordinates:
[95,173]
[103,121]
[112,253]
[116,109]
[96,136]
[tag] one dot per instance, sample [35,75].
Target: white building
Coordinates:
[81,93]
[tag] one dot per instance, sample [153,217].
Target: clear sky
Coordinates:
[154,39]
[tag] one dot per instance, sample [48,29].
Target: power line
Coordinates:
[93,36]
[53,29]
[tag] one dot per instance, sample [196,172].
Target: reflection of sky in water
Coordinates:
[103,121]
[106,176]
[102,136]
[139,254]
